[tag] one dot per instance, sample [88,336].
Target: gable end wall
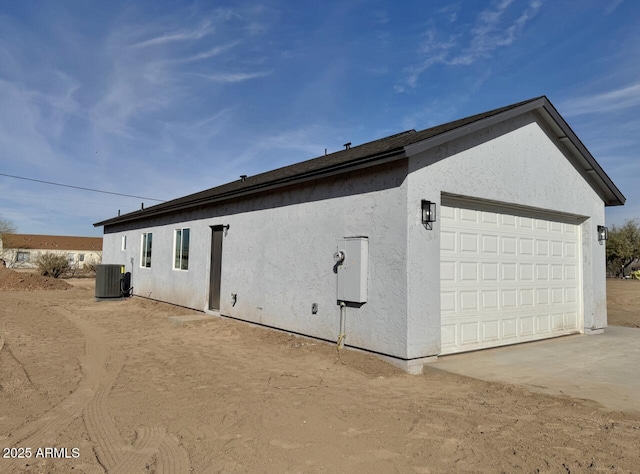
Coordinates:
[516,162]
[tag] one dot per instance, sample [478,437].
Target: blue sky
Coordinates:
[160,99]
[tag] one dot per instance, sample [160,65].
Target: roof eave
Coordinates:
[601,182]
[610,193]
[365,162]
[592,171]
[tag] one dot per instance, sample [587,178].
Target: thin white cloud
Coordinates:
[380,17]
[215,51]
[180,35]
[612,101]
[493,29]
[450,12]
[613,5]
[25,134]
[232,77]
[491,33]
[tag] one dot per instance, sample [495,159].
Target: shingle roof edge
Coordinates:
[369,154]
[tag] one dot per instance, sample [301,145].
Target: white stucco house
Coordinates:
[473,234]
[23,250]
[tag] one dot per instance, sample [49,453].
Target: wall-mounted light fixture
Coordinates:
[428,214]
[603,233]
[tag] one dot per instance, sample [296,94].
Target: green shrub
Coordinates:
[51,264]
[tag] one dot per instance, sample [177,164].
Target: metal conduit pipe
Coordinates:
[343,324]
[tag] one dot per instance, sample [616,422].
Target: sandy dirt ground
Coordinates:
[623,303]
[135,393]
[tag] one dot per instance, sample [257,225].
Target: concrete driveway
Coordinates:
[603,367]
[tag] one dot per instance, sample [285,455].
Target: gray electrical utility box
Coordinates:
[354,270]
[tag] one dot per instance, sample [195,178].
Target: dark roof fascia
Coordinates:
[372,159]
[594,174]
[605,187]
[476,126]
[365,162]
[615,196]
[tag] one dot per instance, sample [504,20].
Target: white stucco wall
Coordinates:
[514,162]
[278,257]
[277,253]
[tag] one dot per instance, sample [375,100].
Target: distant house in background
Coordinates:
[22,250]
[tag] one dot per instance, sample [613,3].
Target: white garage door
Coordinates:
[506,278]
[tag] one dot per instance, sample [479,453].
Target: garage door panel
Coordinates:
[542,271]
[508,272]
[469,271]
[509,328]
[468,215]
[525,222]
[489,271]
[509,245]
[469,333]
[556,248]
[489,300]
[542,247]
[506,279]
[490,330]
[508,220]
[448,301]
[447,270]
[542,324]
[526,297]
[468,243]
[542,296]
[509,299]
[526,271]
[490,218]
[542,225]
[489,245]
[557,321]
[526,246]
[557,296]
[468,300]
[448,241]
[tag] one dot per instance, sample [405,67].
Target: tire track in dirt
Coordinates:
[89,401]
[144,450]
[57,418]
[113,454]
[45,429]
[172,457]
[102,371]
[99,424]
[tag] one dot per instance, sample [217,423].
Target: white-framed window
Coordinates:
[23,256]
[181,238]
[145,255]
[124,243]
[81,257]
[71,257]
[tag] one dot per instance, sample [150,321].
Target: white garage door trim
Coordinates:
[507,276]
